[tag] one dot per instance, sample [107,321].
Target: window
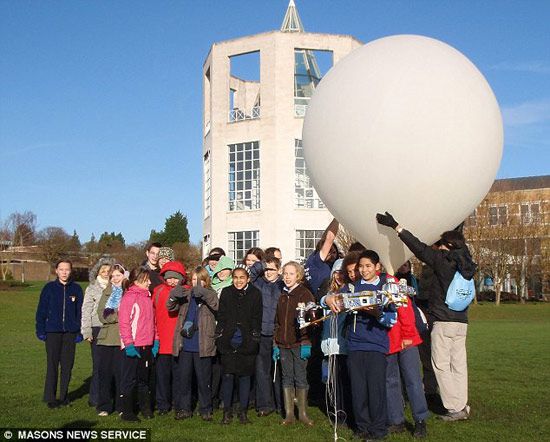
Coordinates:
[244,87]
[207,184]
[498,215]
[240,242]
[244,176]
[304,193]
[306,240]
[309,68]
[530,213]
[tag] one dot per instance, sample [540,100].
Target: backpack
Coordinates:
[461,293]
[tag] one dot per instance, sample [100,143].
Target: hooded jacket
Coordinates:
[271,291]
[59,309]
[206,321]
[225,262]
[92,295]
[166,320]
[444,263]
[136,318]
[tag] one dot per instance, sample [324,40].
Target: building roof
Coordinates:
[523,183]
[292,22]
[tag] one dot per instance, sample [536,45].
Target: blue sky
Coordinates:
[100,101]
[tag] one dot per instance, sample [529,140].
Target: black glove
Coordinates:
[177,292]
[197,292]
[386,220]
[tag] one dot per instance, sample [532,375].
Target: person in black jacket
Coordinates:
[238,330]
[58,319]
[450,327]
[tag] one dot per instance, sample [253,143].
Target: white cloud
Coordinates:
[527,113]
[535,66]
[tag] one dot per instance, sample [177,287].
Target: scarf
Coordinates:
[102,282]
[114,300]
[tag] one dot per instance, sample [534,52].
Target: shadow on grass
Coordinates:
[81,391]
[78,424]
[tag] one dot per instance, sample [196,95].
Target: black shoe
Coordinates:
[243,418]
[182,414]
[360,435]
[397,428]
[420,430]
[163,412]
[207,417]
[53,404]
[227,417]
[263,413]
[370,437]
[129,417]
[64,403]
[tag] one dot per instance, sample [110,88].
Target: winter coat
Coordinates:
[208,304]
[271,291]
[405,328]
[90,319]
[286,333]
[59,308]
[225,262]
[166,320]
[239,318]
[136,318]
[109,333]
[444,263]
[92,295]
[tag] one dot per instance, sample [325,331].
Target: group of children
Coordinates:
[225,330]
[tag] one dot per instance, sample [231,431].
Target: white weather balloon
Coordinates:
[405,124]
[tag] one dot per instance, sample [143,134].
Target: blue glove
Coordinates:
[276,354]
[132,351]
[155,349]
[78,338]
[388,319]
[41,337]
[305,351]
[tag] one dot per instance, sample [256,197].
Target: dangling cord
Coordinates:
[332,382]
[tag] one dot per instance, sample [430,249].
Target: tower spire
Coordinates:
[292,22]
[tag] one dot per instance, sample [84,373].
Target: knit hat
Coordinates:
[171,274]
[215,254]
[337,266]
[166,252]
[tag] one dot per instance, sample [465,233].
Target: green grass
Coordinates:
[509,371]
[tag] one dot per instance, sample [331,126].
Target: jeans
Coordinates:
[186,363]
[268,393]
[228,381]
[406,363]
[293,368]
[165,376]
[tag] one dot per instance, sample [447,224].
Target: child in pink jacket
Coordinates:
[140,342]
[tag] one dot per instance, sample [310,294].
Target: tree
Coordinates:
[75,245]
[189,254]
[18,230]
[55,244]
[344,239]
[175,230]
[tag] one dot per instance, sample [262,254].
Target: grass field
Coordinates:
[509,366]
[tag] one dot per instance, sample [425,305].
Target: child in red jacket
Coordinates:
[173,273]
[403,359]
